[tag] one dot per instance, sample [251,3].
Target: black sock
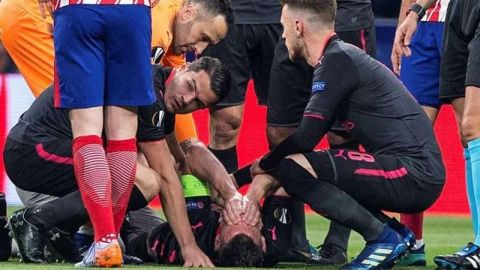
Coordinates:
[277,226]
[68,212]
[299,232]
[228,157]
[137,200]
[338,235]
[242,176]
[3,205]
[327,200]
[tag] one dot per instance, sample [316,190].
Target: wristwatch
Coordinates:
[417,9]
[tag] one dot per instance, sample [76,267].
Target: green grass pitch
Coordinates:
[442,234]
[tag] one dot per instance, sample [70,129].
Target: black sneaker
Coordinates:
[467,258]
[309,255]
[131,260]
[381,253]
[331,255]
[31,243]
[62,245]
[5,240]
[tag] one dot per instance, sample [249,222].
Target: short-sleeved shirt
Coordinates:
[375,107]
[163,18]
[42,121]
[20,23]
[353,15]
[257,12]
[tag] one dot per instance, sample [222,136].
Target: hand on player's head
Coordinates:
[233,209]
[252,214]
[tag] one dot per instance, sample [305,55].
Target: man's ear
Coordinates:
[298,27]
[188,13]
[216,245]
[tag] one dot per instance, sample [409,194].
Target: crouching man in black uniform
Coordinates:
[38,158]
[401,170]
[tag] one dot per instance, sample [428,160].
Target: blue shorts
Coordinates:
[102,56]
[421,71]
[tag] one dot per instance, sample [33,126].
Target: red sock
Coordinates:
[414,222]
[94,182]
[122,160]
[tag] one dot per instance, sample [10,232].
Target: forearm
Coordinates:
[216,198]
[204,165]
[173,204]
[426,4]
[404,10]
[171,191]
[175,149]
[262,185]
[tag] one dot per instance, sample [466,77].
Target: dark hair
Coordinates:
[323,10]
[240,251]
[218,7]
[219,75]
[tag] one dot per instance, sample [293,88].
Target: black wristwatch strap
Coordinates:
[417,9]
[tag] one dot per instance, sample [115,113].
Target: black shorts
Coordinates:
[460,65]
[291,82]
[247,52]
[378,182]
[277,227]
[45,168]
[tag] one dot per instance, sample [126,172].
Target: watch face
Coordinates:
[417,9]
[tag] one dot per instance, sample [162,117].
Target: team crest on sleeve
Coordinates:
[157,118]
[157,54]
[318,86]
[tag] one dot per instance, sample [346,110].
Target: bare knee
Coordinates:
[147,181]
[470,128]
